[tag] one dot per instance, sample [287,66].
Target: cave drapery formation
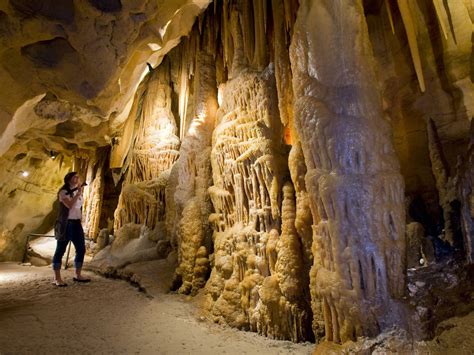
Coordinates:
[302,159]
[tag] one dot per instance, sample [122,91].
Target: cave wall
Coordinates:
[445,109]
[293,157]
[29,184]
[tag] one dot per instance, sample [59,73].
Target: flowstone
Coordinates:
[151,157]
[191,205]
[252,285]
[356,190]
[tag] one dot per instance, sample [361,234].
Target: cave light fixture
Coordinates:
[53,154]
[24,173]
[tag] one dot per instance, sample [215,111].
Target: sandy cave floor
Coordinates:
[111,316]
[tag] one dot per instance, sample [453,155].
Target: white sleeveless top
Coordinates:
[75,211]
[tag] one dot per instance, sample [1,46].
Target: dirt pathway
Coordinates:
[110,316]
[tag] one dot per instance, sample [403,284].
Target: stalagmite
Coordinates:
[419,249]
[303,224]
[353,175]
[466,192]
[443,183]
[412,42]
[93,195]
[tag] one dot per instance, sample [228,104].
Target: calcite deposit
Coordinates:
[352,172]
[190,206]
[305,166]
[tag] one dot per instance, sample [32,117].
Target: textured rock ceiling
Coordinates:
[70,68]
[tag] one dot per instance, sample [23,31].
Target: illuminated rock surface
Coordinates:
[353,182]
[303,168]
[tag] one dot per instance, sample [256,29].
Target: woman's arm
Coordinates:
[68,201]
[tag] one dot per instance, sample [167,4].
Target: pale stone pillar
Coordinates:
[353,177]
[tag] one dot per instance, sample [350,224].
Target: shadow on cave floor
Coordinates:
[111,316]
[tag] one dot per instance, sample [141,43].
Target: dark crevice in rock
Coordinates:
[66,129]
[52,9]
[372,7]
[48,53]
[87,90]
[4,25]
[107,5]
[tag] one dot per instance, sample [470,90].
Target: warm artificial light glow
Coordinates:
[25,173]
[162,30]
[154,46]
[219,95]
[287,135]
[8,276]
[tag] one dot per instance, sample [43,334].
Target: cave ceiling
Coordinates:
[69,69]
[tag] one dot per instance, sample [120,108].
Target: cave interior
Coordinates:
[307,167]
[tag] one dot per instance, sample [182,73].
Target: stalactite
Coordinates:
[248,29]
[239,62]
[121,145]
[183,102]
[450,20]
[154,152]
[226,26]
[437,5]
[282,63]
[412,41]
[291,8]
[353,176]
[389,14]
[260,21]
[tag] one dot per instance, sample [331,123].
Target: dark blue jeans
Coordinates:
[75,234]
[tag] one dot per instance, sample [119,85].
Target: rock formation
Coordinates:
[352,172]
[306,166]
[150,158]
[191,206]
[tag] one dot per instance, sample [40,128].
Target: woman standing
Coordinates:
[68,227]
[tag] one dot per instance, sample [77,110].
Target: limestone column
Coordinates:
[191,205]
[353,178]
